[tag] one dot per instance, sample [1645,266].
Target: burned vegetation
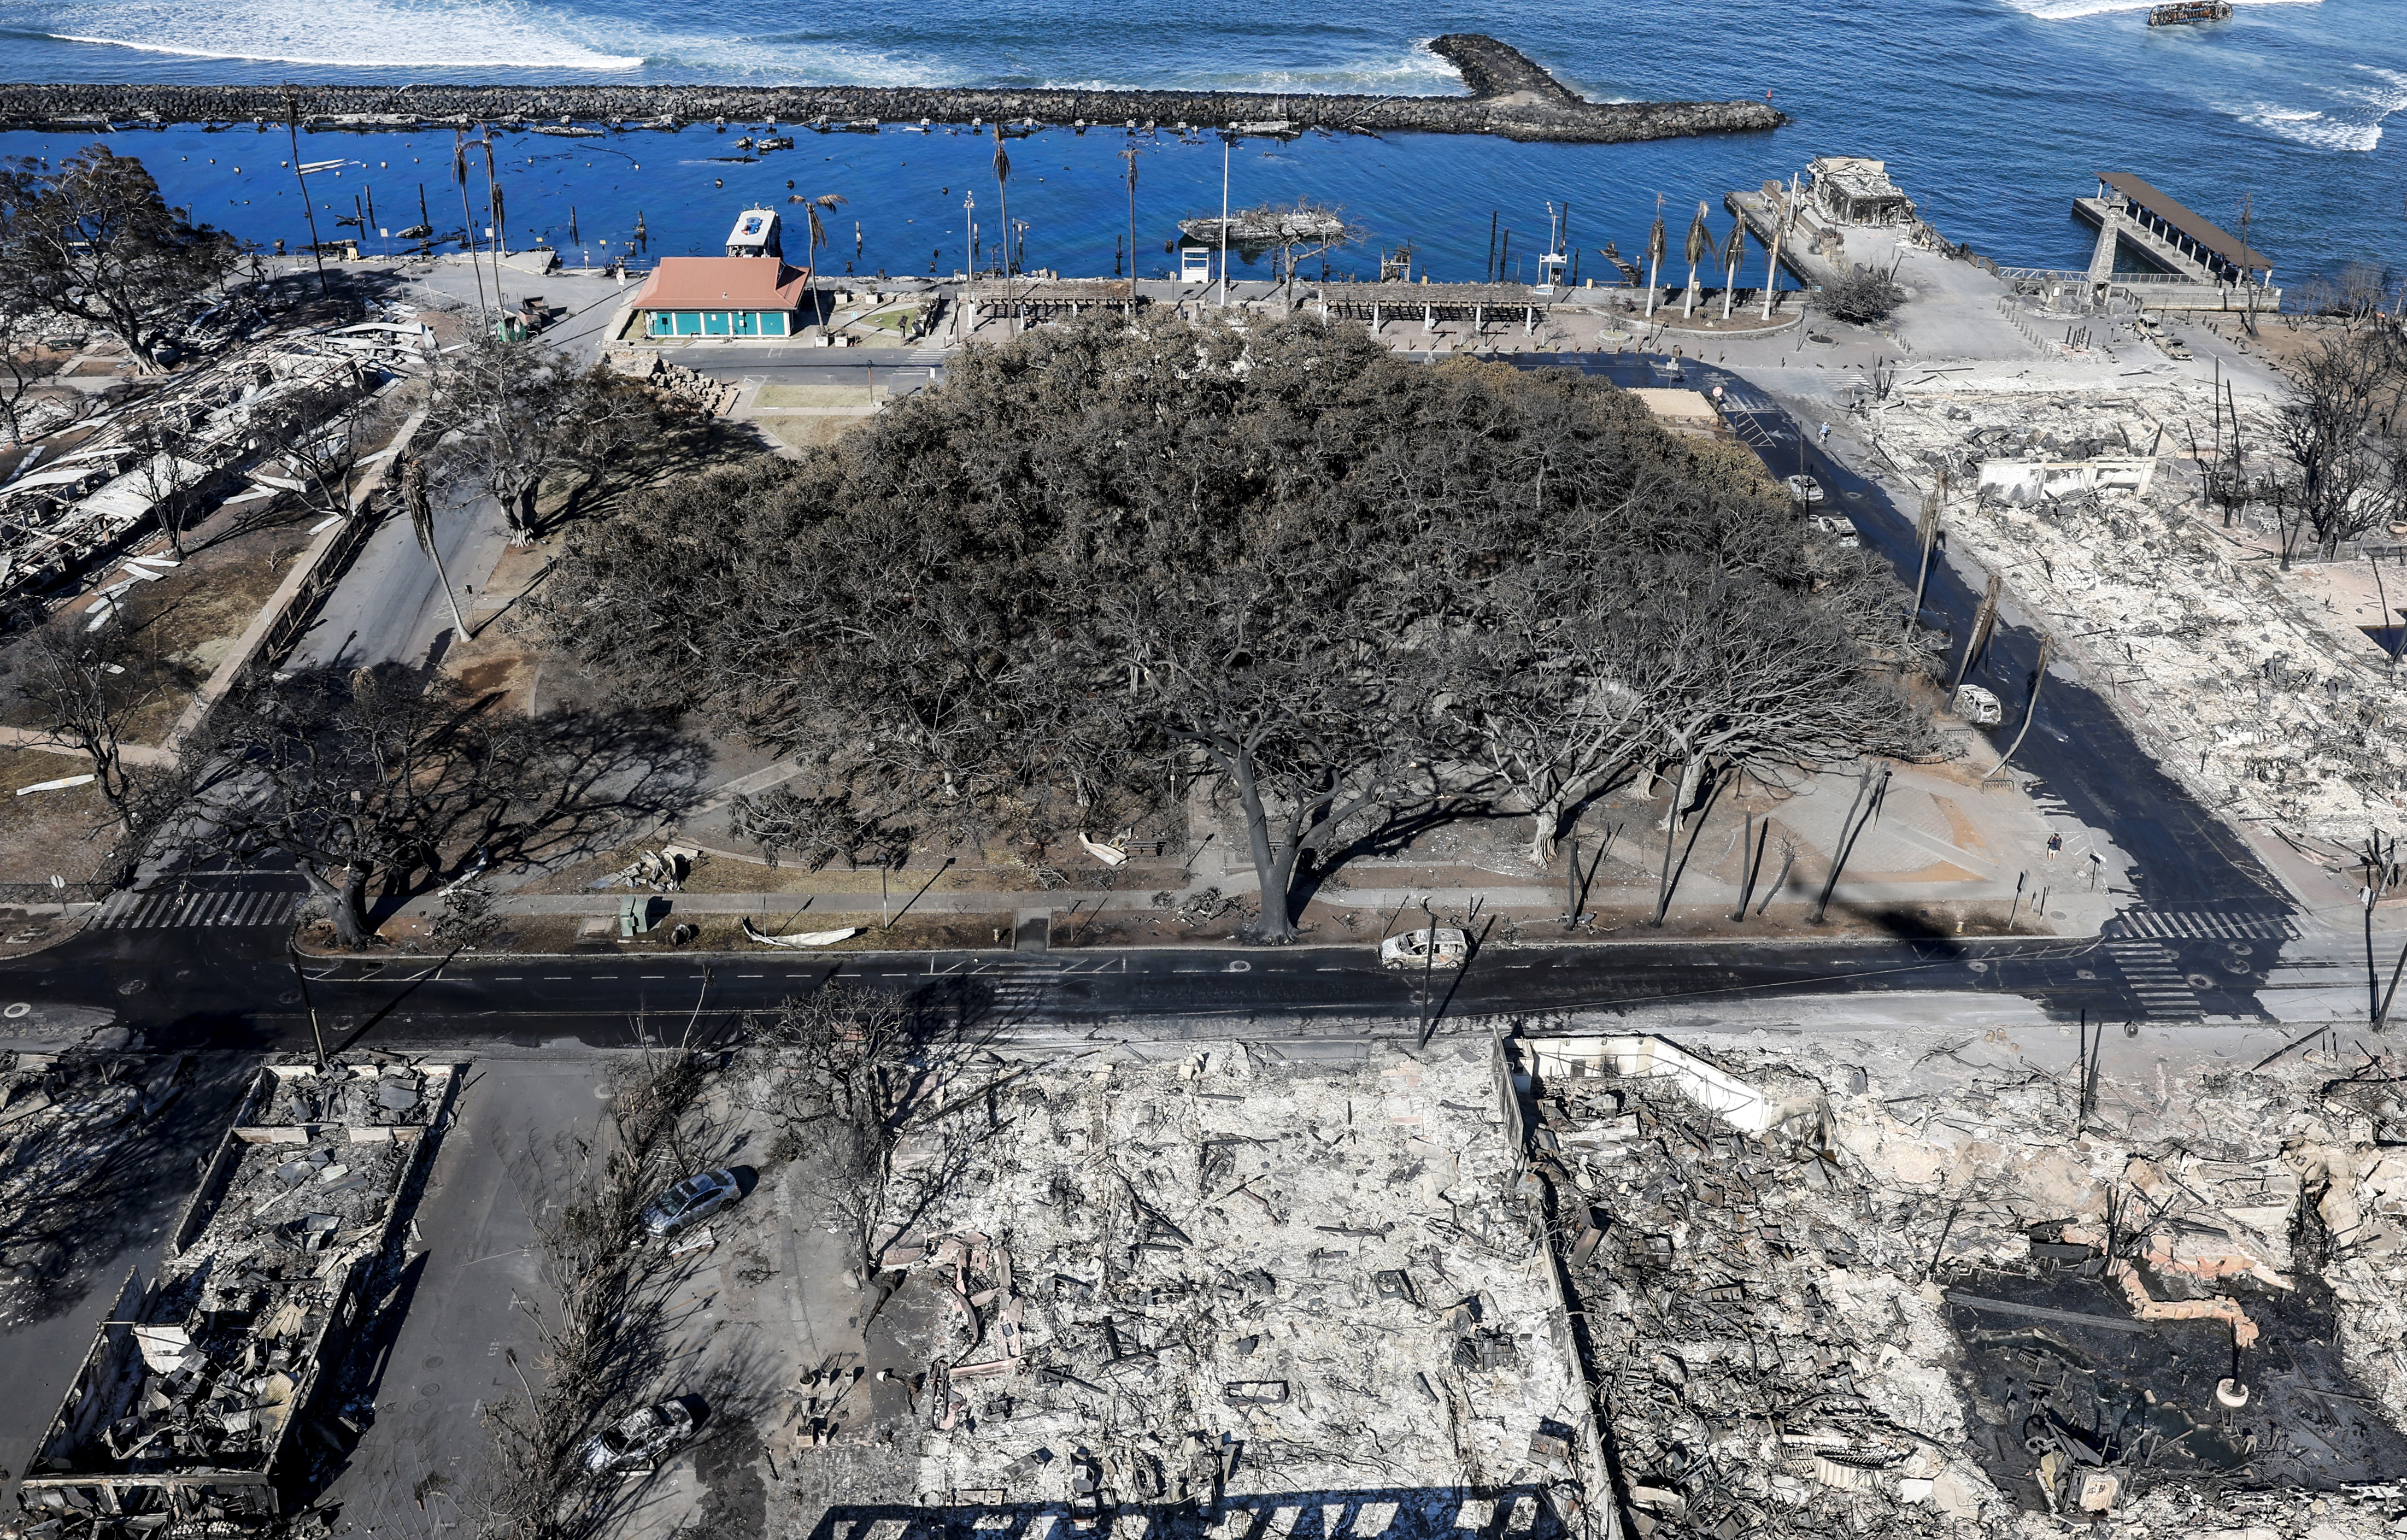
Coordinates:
[1108,560]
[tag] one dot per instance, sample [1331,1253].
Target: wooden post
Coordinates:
[1930,532]
[1983,620]
[2030,709]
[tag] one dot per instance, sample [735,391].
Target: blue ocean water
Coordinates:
[1993,114]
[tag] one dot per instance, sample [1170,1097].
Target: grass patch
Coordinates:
[818,395]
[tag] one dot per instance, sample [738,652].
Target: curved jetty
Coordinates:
[1510,97]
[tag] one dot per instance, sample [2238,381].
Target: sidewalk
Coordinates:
[1939,855]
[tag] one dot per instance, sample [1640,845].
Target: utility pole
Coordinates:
[1129,155]
[969,237]
[1226,140]
[292,131]
[316,1032]
[1930,532]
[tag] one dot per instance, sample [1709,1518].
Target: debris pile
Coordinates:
[183,1409]
[2237,679]
[1221,1279]
[192,439]
[1825,1296]
[712,394]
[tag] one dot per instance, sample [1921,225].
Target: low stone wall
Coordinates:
[1511,96]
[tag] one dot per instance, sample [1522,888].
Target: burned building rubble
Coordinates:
[2095,509]
[1878,1288]
[191,440]
[185,1415]
[1205,1286]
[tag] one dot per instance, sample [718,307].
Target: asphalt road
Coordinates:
[2078,750]
[236,988]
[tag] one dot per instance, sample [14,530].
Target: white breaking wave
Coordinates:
[2073,10]
[2353,129]
[359,34]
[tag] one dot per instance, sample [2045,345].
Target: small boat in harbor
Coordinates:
[2187,11]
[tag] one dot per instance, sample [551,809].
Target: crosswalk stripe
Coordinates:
[128,910]
[2198,923]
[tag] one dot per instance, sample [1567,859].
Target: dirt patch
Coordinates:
[50,834]
[808,432]
[170,636]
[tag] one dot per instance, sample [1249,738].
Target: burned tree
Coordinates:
[380,779]
[1862,295]
[94,241]
[2340,423]
[68,690]
[510,416]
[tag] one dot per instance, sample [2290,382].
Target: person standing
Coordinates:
[2055,847]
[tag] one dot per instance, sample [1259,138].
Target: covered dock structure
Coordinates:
[2163,232]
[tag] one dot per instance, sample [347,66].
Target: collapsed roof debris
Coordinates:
[1949,1287]
[185,1408]
[1222,1279]
[87,501]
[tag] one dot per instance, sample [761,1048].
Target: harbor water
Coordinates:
[1993,114]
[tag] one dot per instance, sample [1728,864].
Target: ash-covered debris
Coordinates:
[184,1410]
[2237,676]
[1929,1288]
[192,441]
[374,1094]
[1199,1285]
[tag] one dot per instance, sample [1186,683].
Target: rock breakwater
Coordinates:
[1511,97]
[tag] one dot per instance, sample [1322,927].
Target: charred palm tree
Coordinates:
[818,233]
[1700,246]
[1733,253]
[1655,246]
[467,220]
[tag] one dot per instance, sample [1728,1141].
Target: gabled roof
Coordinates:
[702,283]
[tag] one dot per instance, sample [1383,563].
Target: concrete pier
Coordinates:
[1511,96]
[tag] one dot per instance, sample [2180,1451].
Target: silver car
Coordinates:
[1804,489]
[695,1198]
[638,1440]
